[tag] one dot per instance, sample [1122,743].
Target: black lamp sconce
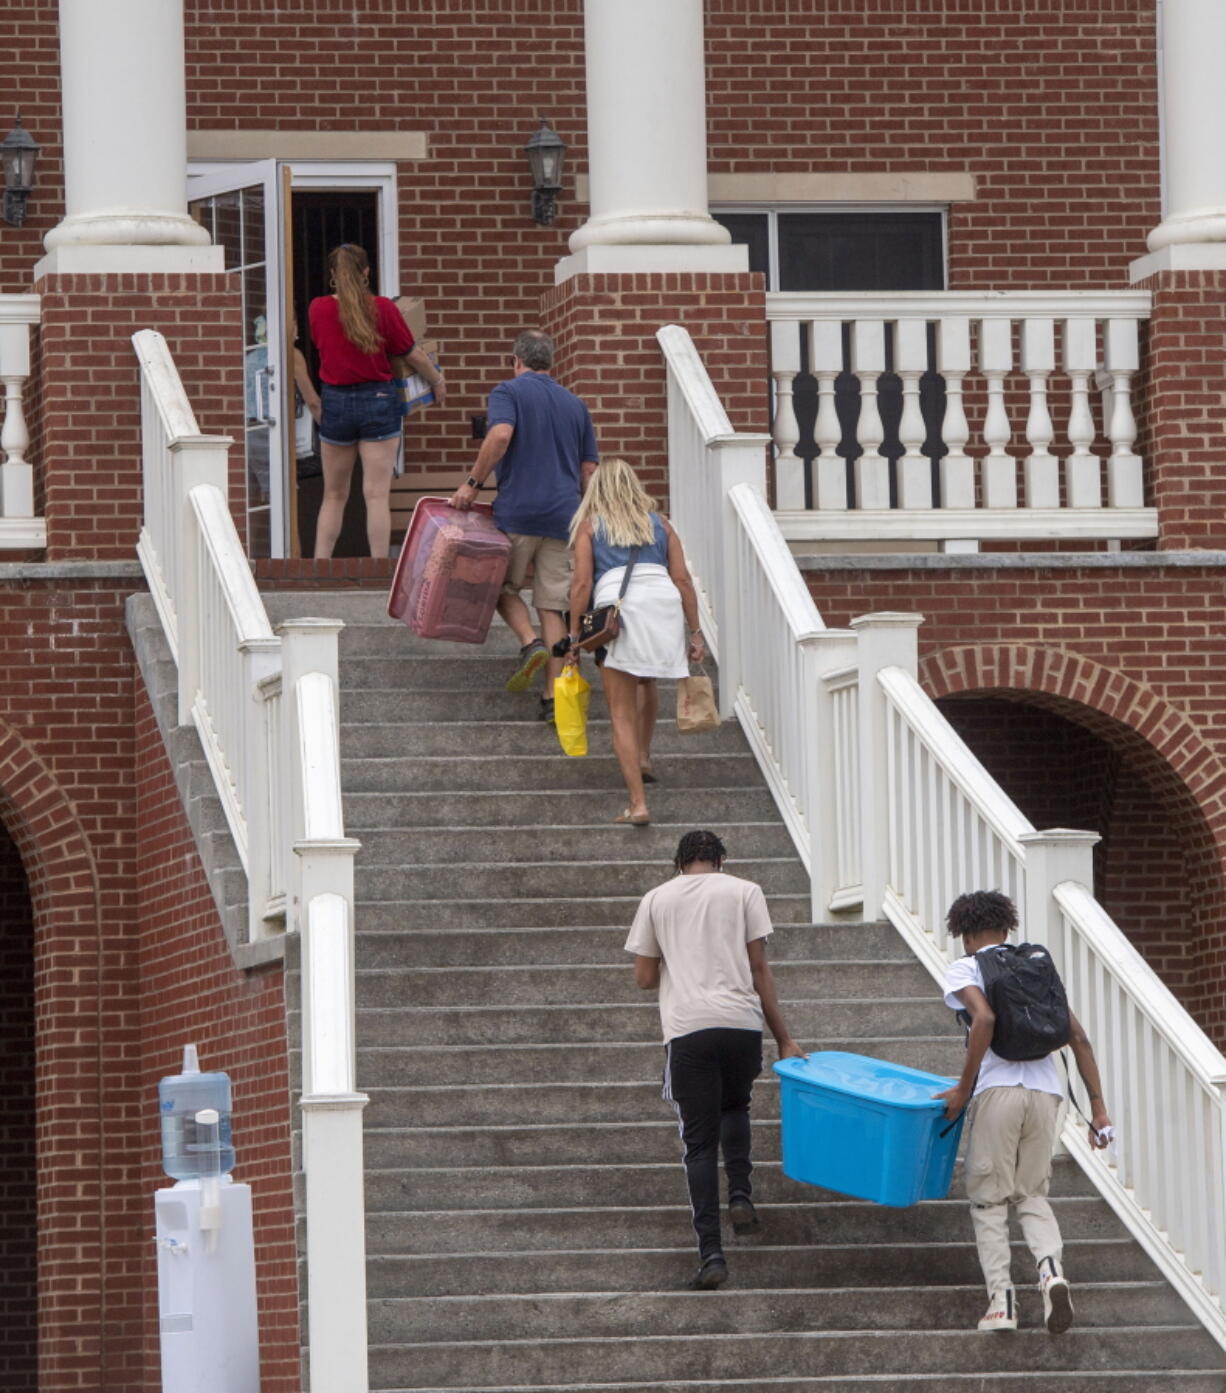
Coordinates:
[20,155]
[545,152]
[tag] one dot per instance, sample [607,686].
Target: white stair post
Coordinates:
[740,459]
[1042,469]
[996,362]
[957,471]
[883,640]
[1053,856]
[825,363]
[910,363]
[16,472]
[785,364]
[1082,472]
[1125,485]
[872,469]
[832,650]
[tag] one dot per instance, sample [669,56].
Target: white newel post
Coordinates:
[825,363]
[785,364]
[322,912]
[884,640]
[647,144]
[1053,856]
[872,469]
[740,459]
[125,135]
[200,462]
[16,472]
[832,651]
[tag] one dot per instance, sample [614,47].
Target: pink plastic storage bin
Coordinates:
[451,568]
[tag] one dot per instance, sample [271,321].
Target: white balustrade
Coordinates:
[1062,490]
[19,528]
[894,816]
[266,709]
[785,364]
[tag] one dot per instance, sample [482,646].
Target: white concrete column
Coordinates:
[1192,233]
[647,144]
[125,139]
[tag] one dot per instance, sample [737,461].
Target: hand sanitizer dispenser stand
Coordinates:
[206,1250]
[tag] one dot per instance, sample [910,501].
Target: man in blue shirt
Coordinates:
[540,443]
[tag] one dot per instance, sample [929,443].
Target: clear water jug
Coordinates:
[188,1150]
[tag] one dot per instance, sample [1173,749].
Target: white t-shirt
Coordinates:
[699,924]
[994,1072]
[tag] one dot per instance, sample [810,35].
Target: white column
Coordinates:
[125,141]
[647,144]
[1192,233]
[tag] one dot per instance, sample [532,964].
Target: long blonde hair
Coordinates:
[348,267]
[617,505]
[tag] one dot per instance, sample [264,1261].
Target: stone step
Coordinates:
[446,666]
[608,984]
[599,1062]
[602,943]
[481,880]
[501,1025]
[582,841]
[460,703]
[778,1354]
[399,732]
[609,1315]
[719,808]
[598,774]
[568,1187]
[550,911]
[642,1227]
[1078,1381]
[669,1264]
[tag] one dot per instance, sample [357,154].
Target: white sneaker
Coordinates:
[1001,1313]
[1057,1302]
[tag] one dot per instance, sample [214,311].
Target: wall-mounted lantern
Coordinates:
[20,155]
[545,151]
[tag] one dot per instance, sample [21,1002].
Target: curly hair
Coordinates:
[699,846]
[981,911]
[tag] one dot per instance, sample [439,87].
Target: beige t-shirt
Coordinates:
[699,925]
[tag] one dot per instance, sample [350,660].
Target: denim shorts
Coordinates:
[360,411]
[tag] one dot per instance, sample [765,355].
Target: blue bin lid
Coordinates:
[863,1077]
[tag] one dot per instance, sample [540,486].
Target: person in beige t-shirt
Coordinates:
[701,938]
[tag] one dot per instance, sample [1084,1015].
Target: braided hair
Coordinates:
[699,846]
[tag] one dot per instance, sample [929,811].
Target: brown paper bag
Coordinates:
[696,709]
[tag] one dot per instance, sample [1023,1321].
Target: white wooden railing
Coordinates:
[20,530]
[895,817]
[1010,350]
[266,709]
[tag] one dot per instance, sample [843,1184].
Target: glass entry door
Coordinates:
[241,208]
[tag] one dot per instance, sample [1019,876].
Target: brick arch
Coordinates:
[62,876]
[1185,776]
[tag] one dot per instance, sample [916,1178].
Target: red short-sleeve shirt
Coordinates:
[341,362]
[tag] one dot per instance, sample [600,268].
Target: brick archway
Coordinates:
[1185,776]
[64,892]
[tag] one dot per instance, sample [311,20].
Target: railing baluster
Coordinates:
[1042,470]
[1082,470]
[954,362]
[910,363]
[785,364]
[872,471]
[1125,487]
[996,362]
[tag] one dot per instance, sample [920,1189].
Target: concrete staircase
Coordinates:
[527,1225]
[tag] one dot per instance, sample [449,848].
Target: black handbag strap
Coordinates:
[630,560]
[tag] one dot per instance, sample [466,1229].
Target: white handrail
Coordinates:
[266,710]
[860,759]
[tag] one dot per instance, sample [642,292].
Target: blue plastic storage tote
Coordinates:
[865,1127]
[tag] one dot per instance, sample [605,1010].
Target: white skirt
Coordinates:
[652,638]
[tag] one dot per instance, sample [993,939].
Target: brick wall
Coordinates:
[1138,649]
[18,1236]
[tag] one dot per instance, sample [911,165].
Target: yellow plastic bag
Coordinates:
[571,695]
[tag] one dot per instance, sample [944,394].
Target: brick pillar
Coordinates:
[1184,392]
[87,446]
[604,326]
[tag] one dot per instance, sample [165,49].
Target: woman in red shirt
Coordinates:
[363,343]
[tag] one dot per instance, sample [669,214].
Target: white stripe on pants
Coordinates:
[1008,1162]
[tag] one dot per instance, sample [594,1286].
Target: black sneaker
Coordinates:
[545,712]
[743,1215]
[712,1273]
[532,657]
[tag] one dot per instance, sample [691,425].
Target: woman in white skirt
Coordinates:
[615,516]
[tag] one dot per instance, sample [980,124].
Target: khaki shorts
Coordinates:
[550,560]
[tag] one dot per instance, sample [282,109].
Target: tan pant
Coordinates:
[1008,1162]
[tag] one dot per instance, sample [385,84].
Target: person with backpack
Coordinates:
[1011,1000]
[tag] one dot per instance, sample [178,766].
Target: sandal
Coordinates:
[629,819]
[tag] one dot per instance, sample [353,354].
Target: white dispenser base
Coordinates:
[206,1299]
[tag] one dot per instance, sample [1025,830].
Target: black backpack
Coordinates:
[1024,990]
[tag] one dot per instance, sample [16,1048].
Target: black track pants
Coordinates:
[708,1078]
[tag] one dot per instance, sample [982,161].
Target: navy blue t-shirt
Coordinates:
[539,476]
